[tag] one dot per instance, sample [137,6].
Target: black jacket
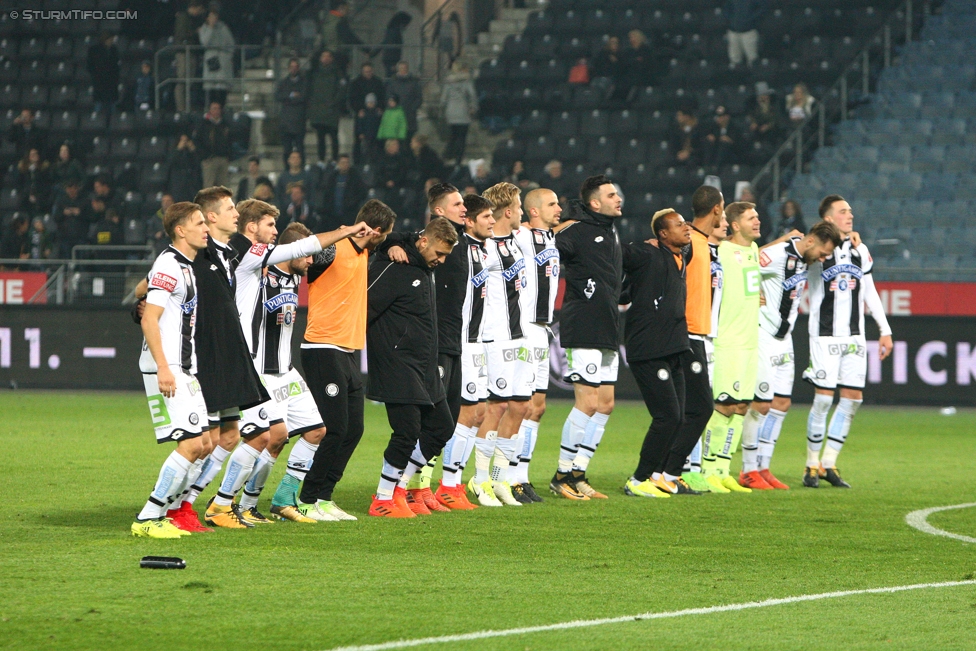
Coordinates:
[293,95]
[401,331]
[590,257]
[656,325]
[225,370]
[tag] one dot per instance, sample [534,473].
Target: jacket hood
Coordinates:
[578,211]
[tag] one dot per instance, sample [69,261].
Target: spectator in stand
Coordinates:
[686,137]
[425,160]
[105,71]
[744,17]
[554,179]
[328,95]
[516,176]
[212,138]
[407,87]
[365,84]
[102,187]
[790,219]
[185,170]
[25,134]
[764,121]
[295,173]
[155,232]
[608,69]
[640,65]
[292,92]
[69,214]
[337,34]
[799,104]
[580,73]
[218,56]
[298,210]
[483,177]
[245,187]
[344,192]
[391,54]
[393,124]
[34,183]
[108,231]
[391,167]
[185,28]
[264,190]
[145,87]
[367,126]
[66,167]
[459,103]
[40,241]
[14,243]
[722,141]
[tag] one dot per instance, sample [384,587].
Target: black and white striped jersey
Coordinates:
[173,287]
[250,275]
[275,321]
[506,280]
[542,277]
[475,295]
[784,275]
[717,284]
[840,287]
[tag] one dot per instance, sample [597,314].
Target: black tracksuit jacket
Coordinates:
[591,264]
[656,325]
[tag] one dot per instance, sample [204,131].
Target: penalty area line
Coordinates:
[587,623]
[920,520]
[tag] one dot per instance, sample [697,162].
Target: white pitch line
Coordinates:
[586,623]
[920,520]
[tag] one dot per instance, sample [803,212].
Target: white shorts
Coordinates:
[291,403]
[511,369]
[230,415]
[538,338]
[474,373]
[837,362]
[592,366]
[184,416]
[776,367]
[710,359]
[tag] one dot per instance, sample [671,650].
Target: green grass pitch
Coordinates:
[76,467]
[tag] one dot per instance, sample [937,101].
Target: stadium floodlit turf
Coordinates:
[76,467]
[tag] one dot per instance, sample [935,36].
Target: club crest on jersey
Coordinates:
[502,249]
[790,264]
[539,239]
[738,256]
[163,281]
[272,281]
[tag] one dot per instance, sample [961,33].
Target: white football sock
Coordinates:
[693,464]
[257,480]
[451,457]
[506,452]
[592,435]
[750,440]
[468,451]
[573,431]
[840,427]
[211,467]
[484,448]
[389,476]
[191,477]
[300,459]
[817,427]
[528,433]
[414,465]
[239,466]
[769,431]
[168,486]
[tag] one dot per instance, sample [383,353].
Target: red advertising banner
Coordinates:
[928,299]
[16,287]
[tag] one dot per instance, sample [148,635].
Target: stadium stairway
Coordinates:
[907,163]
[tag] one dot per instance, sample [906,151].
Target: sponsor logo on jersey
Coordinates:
[163,281]
[479,278]
[259,249]
[277,302]
[541,354]
[793,281]
[189,306]
[158,411]
[781,360]
[544,256]
[479,359]
[513,271]
[837,269]
[764,260]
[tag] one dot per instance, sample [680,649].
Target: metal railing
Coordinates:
[192,56]
[851,89]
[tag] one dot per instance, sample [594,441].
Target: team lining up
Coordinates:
[457,320]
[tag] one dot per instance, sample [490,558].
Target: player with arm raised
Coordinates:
[168,364]
[736,346]
[267,300]
[783,267]
[591,263]
[537,240]
[841,287]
